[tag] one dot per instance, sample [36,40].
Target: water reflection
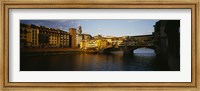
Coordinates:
[144,51]
[116,61]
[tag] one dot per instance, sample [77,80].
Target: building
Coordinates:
[79,38]
[35,37]
[98,37]
[29,36]
[72,32]
[52,36]
[167,36]
[102,43]
[94,44]
[64,39]
[83,44]
[87,36]
[44,36]
[25,35]
[41,36]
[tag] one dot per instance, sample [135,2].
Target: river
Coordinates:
[143,59]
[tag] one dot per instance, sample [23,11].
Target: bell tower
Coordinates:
[79,30]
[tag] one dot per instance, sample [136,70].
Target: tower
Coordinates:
[79,30]
[72,32]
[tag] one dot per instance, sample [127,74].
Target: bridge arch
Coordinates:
[107,50]
[129,50]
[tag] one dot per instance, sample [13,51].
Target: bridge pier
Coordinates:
[129,52]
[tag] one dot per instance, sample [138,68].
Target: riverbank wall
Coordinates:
[48,51]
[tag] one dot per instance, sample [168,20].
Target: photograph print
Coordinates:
[100,45]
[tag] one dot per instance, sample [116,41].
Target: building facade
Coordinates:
[25,35]
[72,32]
[39,36]
[79,38]
[64,39]
[167,36]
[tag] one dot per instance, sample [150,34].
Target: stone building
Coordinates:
[40,36]
[64,39]
[79,38]
[167,36]
[72,32]
[25,35]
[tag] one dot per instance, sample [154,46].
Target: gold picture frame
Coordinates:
[154,86]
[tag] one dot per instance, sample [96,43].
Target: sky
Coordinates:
[104,27]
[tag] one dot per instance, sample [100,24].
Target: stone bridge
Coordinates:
[130,49]
[127,46]
[127,49]
[134,42]
[165,40]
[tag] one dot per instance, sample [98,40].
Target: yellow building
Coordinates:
[40,36]
[67,39]
[102,43]
[25,36]
[28,35]
[35,37]
[53,38]
[81,37]
[64,39]
[93,44]
[82,44]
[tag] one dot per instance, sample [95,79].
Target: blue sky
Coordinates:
[105,27]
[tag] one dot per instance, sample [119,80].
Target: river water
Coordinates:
[142,60]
